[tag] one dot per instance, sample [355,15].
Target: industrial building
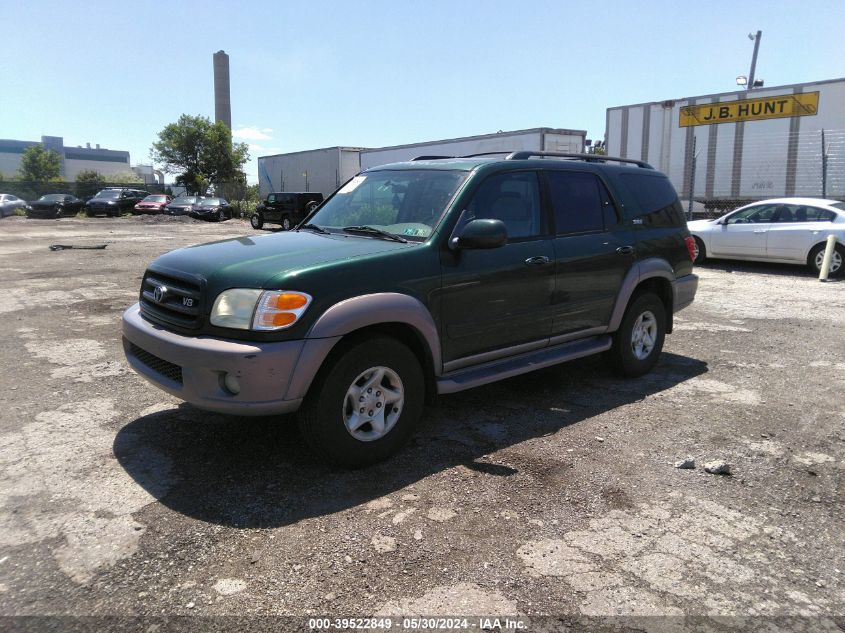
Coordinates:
[324,170]
[73,159]
[718,149]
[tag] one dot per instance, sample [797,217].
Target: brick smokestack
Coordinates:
[222,98]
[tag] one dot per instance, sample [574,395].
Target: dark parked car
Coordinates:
[181,205]
[153,203]
[285,208]
[416,279]
[114,201]
[54,205]
[217,209]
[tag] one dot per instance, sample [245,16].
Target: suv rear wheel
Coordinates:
[639,340]
[366,403]
[257,221]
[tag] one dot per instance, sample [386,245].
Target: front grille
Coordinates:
[158,365]
[179,302]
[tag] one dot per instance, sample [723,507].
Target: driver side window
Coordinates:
[513,198]
[755,215]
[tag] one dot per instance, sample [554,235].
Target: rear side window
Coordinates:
[579,202]
[658,202]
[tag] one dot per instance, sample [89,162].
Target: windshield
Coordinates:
[408,203]
[212,202]
[108,194]
[186,200]
[155,199]
[53,197]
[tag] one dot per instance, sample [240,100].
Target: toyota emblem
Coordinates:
[159,293]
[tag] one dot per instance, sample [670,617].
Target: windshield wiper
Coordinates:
[371,230]
[314,227]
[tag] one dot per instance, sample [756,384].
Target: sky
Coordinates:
[314,73]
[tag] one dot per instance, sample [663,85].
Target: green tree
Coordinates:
[126,178]
[39,165]
[201,152]
[89,182]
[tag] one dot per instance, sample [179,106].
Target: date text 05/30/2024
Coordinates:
[420,623]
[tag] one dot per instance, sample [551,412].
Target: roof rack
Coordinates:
[430,157]
[504,151]
[590,158]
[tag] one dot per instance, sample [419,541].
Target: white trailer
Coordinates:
[537,139]
[723,149]
[322,170]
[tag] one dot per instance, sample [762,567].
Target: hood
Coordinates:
[251,262]
[43,204]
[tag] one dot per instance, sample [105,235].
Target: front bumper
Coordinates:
[683,291]
[193,368]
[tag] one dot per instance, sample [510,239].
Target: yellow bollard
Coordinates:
[828,256]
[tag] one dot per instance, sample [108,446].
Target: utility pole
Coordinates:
[756,39]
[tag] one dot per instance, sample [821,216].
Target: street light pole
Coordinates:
[756,39]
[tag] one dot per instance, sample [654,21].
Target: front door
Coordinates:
[743,233]
[498,301]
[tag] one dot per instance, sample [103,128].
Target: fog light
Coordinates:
[232,384]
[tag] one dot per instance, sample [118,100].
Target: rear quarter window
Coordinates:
[656,198]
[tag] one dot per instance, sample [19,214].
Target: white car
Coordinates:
[8,204]
[784,230]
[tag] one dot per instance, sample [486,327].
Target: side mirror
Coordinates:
[481,234]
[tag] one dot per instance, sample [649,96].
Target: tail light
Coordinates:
[690,242]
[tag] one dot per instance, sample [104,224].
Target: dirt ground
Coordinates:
[551,500]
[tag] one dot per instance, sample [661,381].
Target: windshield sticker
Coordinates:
[352,185]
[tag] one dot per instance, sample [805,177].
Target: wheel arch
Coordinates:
[649,275]
[821,243]
[399,316]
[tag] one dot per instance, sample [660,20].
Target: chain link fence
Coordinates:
[795,164]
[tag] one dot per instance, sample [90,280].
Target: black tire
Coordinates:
[287,225]
[322,416]
[702,252]
[814,260]
[256,220]
[311,206]
[221,215]
[621,355]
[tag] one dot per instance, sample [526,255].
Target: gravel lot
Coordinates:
[553,494]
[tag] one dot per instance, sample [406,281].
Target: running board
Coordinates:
[521,364]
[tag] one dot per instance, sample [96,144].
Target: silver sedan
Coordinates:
[785,230]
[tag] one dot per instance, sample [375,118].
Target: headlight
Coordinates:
[248,308]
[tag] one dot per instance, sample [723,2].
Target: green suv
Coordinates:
[416,279]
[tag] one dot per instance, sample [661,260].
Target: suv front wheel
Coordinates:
[364,405]
[639,340]
[257,221]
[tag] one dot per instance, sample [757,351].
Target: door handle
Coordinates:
[538,260]
[760,231]
[625,250]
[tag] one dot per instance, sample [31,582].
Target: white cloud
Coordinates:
[253,133]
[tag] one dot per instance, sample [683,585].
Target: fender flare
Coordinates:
[354,314]
[639,272]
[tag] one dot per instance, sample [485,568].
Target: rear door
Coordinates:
[497,302]
[592,251]
[792,235]
[744,233]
